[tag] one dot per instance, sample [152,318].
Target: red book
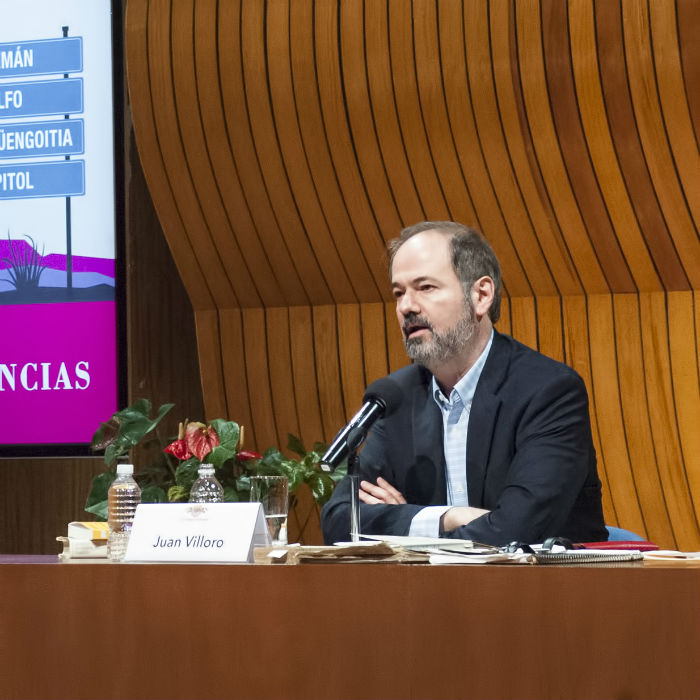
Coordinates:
[641,545]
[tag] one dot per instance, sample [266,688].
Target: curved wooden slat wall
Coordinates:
[284,141]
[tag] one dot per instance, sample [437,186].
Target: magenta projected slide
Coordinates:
[58,315]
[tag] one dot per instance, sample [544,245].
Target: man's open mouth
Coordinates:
[413,328]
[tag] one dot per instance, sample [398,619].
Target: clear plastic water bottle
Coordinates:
[206,489]
[123,497]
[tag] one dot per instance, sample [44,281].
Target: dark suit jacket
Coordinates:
[530,455]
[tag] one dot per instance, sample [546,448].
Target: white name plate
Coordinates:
[197,532]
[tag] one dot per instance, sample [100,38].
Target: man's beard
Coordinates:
[439,348]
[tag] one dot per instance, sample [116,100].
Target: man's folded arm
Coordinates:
[548,470]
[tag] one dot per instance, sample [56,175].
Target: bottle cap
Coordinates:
[206,468]
[123,469]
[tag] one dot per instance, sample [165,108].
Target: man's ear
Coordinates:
[482,295]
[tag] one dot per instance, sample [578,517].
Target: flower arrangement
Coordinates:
[174,463]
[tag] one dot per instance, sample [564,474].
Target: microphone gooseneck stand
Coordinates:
[354,440]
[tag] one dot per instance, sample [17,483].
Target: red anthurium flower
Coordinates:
[200,439]
[178,449]
[248,455]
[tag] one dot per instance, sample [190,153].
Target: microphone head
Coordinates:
[385,391]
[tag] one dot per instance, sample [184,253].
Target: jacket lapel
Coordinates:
[483,416]
[429,452]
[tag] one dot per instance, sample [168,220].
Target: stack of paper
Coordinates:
[85,540]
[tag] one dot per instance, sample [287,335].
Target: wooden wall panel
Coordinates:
[305,384]
[686,386]
[284,142]
[608,411]
[662,419]
[279,362]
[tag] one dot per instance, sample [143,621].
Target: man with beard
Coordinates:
[492,440]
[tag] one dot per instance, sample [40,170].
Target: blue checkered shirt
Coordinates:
[455,421]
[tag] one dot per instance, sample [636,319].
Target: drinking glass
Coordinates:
[272,492]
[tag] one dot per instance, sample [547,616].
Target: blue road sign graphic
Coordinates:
[41,98]
[41,57]
[63,137]
[64,178]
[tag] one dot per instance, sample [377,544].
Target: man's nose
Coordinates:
[407,304]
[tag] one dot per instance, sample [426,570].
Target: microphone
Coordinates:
[382,397]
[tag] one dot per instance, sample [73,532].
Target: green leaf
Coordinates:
[272,458]
[295,445]
[153,494]
[228,432]
[99,510]
[320,449]
[178,494]
[186,473]
[104,435]
[219,455]
[321,486]
[129,426]
[99,490]
[231,495]
[340,472]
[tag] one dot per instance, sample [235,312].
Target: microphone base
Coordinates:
[354,507]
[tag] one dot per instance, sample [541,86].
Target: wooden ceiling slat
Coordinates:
[170,130]
[430,87]
[528,178]
[269,156]
[487,159]
[408,106]
[214,221]
[235,225]
[688,23]
[454,140]
[284,401]
[148,139]
[239,136]
[547,148]
[644,90]
[674,103]
[579,169]
[602,150]
[367,224]
[303,353]
[357,105]
[398,169]
[606,403]
[635,413]
[294,157]
[663,421]
[623,128]
[360,251]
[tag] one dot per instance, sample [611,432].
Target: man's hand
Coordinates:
[460,515]
[381,492]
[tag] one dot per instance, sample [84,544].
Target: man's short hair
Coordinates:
[472,256]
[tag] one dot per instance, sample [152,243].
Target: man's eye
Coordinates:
[427,287]
[398,294]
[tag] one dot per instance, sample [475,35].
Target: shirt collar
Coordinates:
[466,386]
